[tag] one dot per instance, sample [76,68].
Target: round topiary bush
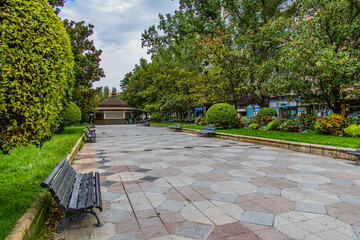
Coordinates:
[221,114]
[36,69]
[267,112]
[156,117]
[71,115]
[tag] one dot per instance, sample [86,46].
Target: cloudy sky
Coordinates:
[117,32]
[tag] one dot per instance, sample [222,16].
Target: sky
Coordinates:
[118,25]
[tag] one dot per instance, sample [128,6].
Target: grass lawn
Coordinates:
[82,125]
[310,137]
[22,171]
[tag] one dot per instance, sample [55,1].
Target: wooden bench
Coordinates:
[89,137]
[176,126]
[76,194]
[92,125]
[207,131]
[356,153]
[91,131]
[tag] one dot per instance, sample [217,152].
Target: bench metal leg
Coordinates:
[357,161]
[77,216]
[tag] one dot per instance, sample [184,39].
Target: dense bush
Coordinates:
[72,114]
[333,124]
[85,118]
[254,126]
[354,119]
[156,117]
[200,121]
[245,121]
[255,119]
[267,112]
[290,126]
[308,120]
[237,123]
[266,119]
[221,114]
[36,69]
[352,131]
[271,126]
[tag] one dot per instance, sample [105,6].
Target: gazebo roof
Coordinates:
[113,103]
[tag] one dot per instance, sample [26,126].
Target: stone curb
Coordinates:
[24,224]
[329,151]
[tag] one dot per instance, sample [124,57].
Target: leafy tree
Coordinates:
[55,4]
[106,92]
[87,65]
[113,90]
[36,72]
[321,62]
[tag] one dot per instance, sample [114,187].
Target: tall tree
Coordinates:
[321,62]
[87,68]
[106,92]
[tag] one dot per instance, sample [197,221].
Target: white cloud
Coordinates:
[117,32]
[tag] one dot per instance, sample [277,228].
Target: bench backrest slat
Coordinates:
[59,179]
[52,174]
[82,196]
[86,133]
[64,200]
[207,128]
[358,149]
[90,192]
[65,182]
[98,201]
[75,193]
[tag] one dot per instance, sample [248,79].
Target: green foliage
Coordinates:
[200,121]
[319,62]
[255,119]
[332,124]
[221,114]
[254,126]
[85,118]
[354,119]
[352,131]
[308,120]
[72,114]
[271,126]
[267,112]
[156,117]
[36,72]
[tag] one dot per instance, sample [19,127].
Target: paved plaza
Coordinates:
[158,184]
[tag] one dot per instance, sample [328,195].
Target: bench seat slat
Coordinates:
[65,182]
[64,200]
[90,191]
[59,179]
[75,193]
[98,201]
[52,174]
[82,195]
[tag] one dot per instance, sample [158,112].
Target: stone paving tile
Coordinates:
[163,185]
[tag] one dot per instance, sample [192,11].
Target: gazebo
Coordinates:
[113,111]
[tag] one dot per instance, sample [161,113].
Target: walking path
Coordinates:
[163,185]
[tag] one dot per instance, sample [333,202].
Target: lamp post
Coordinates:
[205,64]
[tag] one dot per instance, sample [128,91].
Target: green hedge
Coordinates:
[157,117]
[72,114]
[36,70]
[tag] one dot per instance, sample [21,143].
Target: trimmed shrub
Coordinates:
[255,119]
[85,118]
[267,112]
[245,121]
[221,114]
[254,126]
[200,121]
[71,115]
[333,124]
[308,120]
[271,126]
[156,117]
[352,131]
[36,71]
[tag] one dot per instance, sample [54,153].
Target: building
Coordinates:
[113,110]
